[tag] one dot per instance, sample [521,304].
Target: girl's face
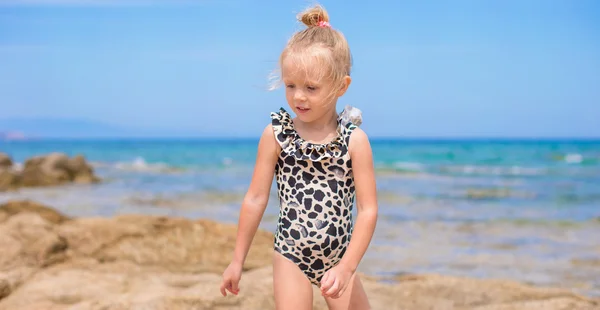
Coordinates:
[308,92]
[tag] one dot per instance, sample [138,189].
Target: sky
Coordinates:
[506,68]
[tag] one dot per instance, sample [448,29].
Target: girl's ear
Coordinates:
[345,84]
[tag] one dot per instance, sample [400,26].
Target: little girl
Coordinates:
[321,161]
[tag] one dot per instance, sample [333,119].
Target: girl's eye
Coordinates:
[311,88]
[290,86]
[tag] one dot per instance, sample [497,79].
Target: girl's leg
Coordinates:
[292,288]
[354,297]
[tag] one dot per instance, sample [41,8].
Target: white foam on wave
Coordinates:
[227,161]
[139,164]
[17,166]
[573,158]
[494,170]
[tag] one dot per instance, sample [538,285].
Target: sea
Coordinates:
[525,210]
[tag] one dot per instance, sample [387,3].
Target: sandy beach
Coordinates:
[52,261]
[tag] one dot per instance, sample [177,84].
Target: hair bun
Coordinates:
[312,16]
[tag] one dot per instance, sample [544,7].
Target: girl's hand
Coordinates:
[231,279]
[335,281]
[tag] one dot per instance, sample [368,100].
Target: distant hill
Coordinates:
[74,128]
[12,135]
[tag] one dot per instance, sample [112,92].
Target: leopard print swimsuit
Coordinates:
[315,185]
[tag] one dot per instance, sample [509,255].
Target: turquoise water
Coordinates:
[526,210]
[555,175]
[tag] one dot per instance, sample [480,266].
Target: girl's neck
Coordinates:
[320,130]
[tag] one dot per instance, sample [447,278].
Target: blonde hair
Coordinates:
[318,42]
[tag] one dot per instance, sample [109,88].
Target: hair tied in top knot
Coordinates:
[323,24]
[315,16]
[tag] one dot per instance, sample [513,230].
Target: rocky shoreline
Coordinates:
[53,261]
[45,170]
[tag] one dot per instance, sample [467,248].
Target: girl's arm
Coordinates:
[256,199]
[336,280]
[366,195]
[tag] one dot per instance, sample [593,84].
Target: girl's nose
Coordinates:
[299,95]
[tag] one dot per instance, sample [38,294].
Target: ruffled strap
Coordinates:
[294,145]
[282,126]
[352,115]
[349,118]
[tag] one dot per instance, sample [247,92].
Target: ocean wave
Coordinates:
[577,159]
[139,164]
[494,170]
[17,167]
[227,161]
[574,158]
[402,168]
[415,168]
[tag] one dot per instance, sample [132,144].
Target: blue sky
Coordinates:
[421,68]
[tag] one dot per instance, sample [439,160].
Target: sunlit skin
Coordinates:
[312,98]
